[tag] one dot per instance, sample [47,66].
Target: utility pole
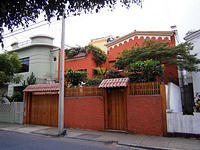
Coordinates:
[61,94]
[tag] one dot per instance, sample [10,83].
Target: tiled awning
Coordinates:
[42,88]
[113,83]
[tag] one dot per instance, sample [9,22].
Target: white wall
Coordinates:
[196,75]
[12,113]
[195,39]
[174,103]
[41,55]
[179,123]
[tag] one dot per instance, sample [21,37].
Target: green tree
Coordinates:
[113,73]
[178,55]
[99,55]
[18,92]
[29,81]
[16,97]
[75,77]
[20,12]
[145,71]
[99,72]
[9,65]
[93,82]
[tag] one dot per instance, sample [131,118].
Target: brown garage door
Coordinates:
[44,110]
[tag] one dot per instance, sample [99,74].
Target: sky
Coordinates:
[155,15]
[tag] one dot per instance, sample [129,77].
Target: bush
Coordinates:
[99,72]
[16,97]
[114,74]
[99,55]
[93,82]
[145,71]
[75,77]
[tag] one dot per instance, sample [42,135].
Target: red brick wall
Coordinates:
[86,62]
[84,112]
[144,115]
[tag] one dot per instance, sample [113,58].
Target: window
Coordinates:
[54,59]
[25,64]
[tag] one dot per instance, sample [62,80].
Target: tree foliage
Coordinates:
[71,52]
[30,80]
[14,13]
[179,55]
[9,65]
[75,77]
[93,82]
[16,97]
[113,73]
[145,71]
[99,55]
[99,72]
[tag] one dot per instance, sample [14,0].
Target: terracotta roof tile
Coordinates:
[112,83]
[42,87]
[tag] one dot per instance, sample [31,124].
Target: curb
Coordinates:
[122,144]
[93,140]
[147,147]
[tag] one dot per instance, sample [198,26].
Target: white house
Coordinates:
[39,56]
[194,38]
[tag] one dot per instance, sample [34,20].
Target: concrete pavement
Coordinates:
[133,140]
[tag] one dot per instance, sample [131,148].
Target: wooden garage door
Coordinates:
[44,110]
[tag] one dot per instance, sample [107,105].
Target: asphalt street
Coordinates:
[20,141]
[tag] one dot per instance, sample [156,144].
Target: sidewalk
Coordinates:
[134,140]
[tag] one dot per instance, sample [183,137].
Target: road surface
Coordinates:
[20,141]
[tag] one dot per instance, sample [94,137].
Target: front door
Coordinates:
[116,108]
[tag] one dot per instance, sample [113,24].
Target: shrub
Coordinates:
[99,55]
[114,74]
[99,72]
[93,82]
[75,77]
[145,71]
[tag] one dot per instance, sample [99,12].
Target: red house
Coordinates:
[85,61]
[136,38]
[81,62]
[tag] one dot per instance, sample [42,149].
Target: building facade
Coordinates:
[39,56]
[137,38]
[101,42]
[81,62]
[194,38]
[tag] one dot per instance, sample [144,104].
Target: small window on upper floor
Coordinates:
[25,64]
[54,59]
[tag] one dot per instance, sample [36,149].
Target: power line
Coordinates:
[12,34]
[23,28]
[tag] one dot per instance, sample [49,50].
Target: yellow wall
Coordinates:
[100,42]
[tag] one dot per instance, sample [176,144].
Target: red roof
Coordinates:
[112,83]
[42,87]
